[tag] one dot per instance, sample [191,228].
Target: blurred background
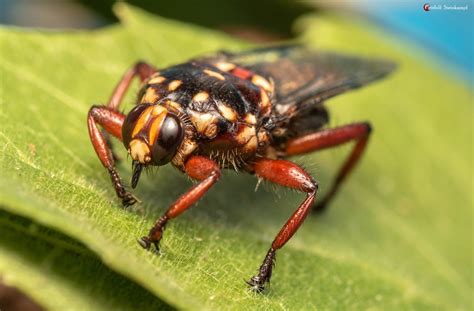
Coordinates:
[443,29]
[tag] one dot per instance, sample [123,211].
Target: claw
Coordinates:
[146,244]
[129,199]
[157,248]
[257,284]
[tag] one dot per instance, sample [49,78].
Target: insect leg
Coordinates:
[111,121]
[199,168]
[140,69]
[359,132]
[288,174]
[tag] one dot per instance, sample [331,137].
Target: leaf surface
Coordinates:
[397,237]
[61,274]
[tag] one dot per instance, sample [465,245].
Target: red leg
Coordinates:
[111,121]
[197,167]
[140,69]
[329,138]
[288,174]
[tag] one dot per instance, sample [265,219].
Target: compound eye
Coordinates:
[130,122]
[169,139]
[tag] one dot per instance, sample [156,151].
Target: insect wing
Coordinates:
[303,76]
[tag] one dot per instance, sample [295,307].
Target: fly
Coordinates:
[247,111]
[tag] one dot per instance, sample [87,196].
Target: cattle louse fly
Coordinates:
[247,111]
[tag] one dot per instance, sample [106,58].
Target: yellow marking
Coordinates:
[187,147]
[255,140]
[173,105]
[263,138]
[174,85]
[142,120]
[150,96]
[250,118]
[156,80]
[214,74]
[211,130]
[251,145]
[262,82]
[224,66]
[201,96]
[227,112]
[245,133]
[139,151]
[158,110]
[201,120]
[155,128]
[265,105]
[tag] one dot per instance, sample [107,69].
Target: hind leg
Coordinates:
[358,132]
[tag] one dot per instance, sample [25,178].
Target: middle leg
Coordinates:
[199,168]
[288,174]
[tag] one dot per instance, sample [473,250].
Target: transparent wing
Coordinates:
[304,76]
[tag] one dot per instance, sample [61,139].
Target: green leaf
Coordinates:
[397,237]
[61,274]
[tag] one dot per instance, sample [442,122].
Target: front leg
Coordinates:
[142,70]
[287,174]
[111,120]
[199,168]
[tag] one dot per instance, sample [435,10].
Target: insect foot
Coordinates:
[258,282]
[129,199]
[155,235]
[145,242]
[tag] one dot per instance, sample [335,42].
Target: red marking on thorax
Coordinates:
[241,73]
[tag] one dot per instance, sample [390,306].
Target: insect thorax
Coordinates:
[223,112]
